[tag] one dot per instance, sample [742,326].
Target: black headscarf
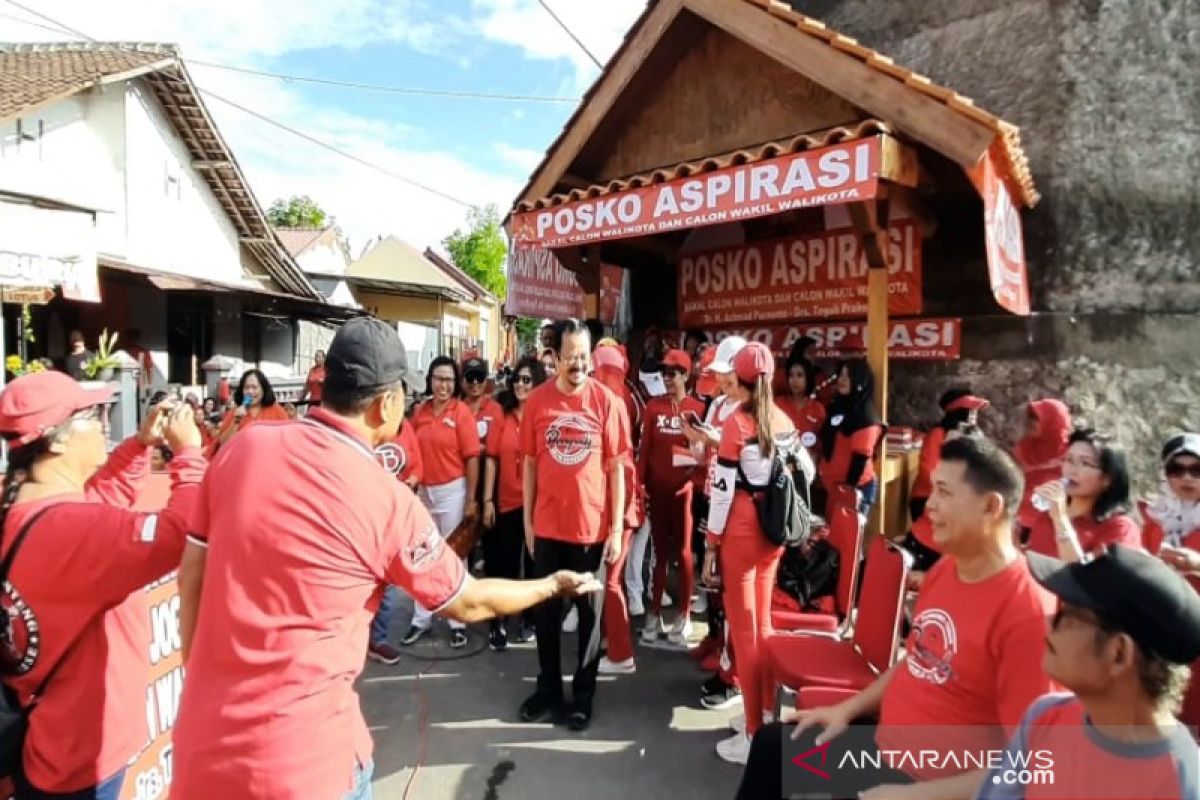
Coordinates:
[852,412]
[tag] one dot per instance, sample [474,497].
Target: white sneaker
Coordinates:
[738,723]
[667,601]
[735,749]
[700,603]
[652,629]
[626,667]
[636,606]
[571,623]
[681,631]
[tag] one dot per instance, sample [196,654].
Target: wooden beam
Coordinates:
[574,181]
[870,219]
[950,133]
[604,95]
[899,162]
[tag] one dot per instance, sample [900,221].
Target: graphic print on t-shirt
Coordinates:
[426,548]
[934,645]
[20,639]
[570,439]
[391,456]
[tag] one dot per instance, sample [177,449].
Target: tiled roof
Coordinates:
[33,75]
[762,152]
[1008,134]
[297,240]
[459,275]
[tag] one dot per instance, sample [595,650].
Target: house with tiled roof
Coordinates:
[123,207]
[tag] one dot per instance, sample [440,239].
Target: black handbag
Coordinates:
[14,718]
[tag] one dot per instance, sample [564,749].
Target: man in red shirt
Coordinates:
[575,443]
[973,660]
[298,531]
[488,416]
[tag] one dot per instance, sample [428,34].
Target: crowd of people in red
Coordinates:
[587,464]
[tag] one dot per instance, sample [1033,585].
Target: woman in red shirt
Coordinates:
[664,467]
[748,560]
[1088,508]
[449,439]
[801,405]
[76,630]
[254,402]
[504,553]
[1040,453]
[851,435]
[315,379]
[1172,521]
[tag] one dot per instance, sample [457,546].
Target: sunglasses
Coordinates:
[671,372]
[475,378]
[524,380]
[1176,469]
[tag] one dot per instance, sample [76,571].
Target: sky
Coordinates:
[479,151]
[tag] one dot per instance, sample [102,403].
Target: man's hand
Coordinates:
[181,430]
[711,574]
[612,548]
[834,720]
[151,431]
[575,584]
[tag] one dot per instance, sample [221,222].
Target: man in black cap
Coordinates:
[296,536]
[1126,628]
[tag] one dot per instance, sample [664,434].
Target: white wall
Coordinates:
[278,347]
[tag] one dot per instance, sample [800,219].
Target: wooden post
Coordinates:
[871,221]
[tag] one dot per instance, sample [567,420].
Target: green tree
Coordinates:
[299,212]
[527,334]
[480,251]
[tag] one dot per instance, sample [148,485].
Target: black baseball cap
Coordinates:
[475,366]
[366,353]
[1133,591]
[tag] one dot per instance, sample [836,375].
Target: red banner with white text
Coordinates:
[842,173]
[541,287]
[1003,235]
[910,339]
[811,276]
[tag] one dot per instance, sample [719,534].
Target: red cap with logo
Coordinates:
[677,359]
[34,404]
[752,362]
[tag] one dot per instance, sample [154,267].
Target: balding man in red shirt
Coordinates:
[296,536]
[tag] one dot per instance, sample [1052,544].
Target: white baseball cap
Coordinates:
[726,350]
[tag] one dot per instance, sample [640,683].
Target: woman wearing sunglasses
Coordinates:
[1089,508]
[76,626]
[504,553]
[1172,521]
[449,440]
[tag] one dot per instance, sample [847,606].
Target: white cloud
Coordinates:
[522,158]
[365,202]
[601,26]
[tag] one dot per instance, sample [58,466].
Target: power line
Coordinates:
[575,38]
[54,22]
[277,124]
[375,87]
[33,24]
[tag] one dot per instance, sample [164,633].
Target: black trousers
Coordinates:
[550,556]
[505,554]
[771,772]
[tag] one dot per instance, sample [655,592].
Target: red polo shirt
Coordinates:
[487,424]
[297,561]
[573,439]
[402,455]
[447,440]
[510,478]
[79,577]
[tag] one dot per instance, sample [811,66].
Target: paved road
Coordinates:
[650,738]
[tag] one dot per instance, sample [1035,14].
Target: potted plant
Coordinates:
[16,367]
[102,365]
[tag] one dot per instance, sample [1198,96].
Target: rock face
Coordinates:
[1106,96]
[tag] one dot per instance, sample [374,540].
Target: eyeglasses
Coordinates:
[524,380]
[1177,469]
[442,379]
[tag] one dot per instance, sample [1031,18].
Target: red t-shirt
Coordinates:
[931,454]
[1093,535]
[313,384]
[573,439]
[402,455]
[808,418]
[862,442]
[447,440]
[510,477]
[974,660]
[79,577]
[662,434]
[297,561]
[487,422]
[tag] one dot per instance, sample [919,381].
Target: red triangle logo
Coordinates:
[802,760]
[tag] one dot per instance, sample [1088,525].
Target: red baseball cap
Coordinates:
[706,383]
[752,362]
[969,403]
[678,359]
[34,404]
[609,356]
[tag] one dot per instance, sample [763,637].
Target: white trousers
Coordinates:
[635,586]
[446,504]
